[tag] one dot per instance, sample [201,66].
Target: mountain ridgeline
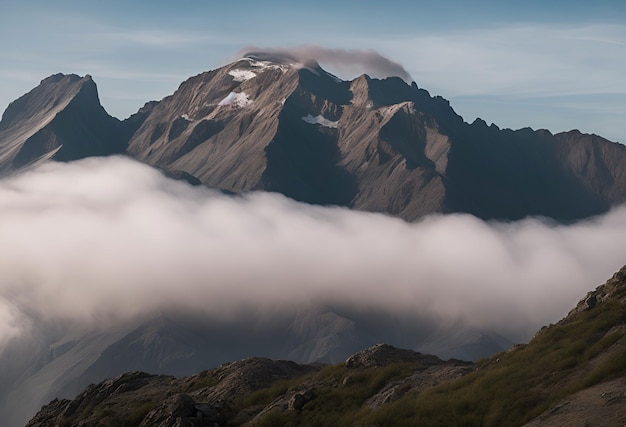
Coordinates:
[262,123]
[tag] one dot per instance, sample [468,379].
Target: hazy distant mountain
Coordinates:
[570,373]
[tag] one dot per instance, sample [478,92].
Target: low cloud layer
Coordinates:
[104,238]
[350,62]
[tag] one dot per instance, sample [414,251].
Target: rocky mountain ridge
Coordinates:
[214,397]
[265,123]
[550,381]
[375,145]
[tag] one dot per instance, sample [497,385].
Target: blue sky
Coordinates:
[558,66]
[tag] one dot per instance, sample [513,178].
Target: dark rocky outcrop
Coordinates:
[205,399]
[214,397]
[616,285]
[180,410]
[384,354]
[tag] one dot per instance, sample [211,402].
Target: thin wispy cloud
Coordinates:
[350,62]
[521,60]
[604,34]
[526,68]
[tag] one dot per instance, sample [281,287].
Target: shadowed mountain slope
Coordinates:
[376,145]
[61,119]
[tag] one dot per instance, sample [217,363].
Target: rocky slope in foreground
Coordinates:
[252,390]
[574,370]
[60,362]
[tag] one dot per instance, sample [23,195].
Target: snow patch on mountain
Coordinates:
[320,120]
[239,99]
[242,75]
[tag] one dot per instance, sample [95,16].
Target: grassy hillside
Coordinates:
[511,388]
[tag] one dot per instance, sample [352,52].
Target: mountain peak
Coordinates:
[272,57]
[58,77]
[285,61]
[61,118]
[52,92]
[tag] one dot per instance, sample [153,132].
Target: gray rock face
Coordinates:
[61,119]
[599,295]
[180,410]
[204,399]
[111,393]
[217,397]
[374,145]
[384,354]
[271,126]
[234,379]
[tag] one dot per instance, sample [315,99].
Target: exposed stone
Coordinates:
[600,294]
[244,376]
[299,399]
[384,354]
[171,412]
[419,381]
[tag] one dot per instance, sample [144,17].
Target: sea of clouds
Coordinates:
[104,239]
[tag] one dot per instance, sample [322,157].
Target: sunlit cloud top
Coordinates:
[113,238]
